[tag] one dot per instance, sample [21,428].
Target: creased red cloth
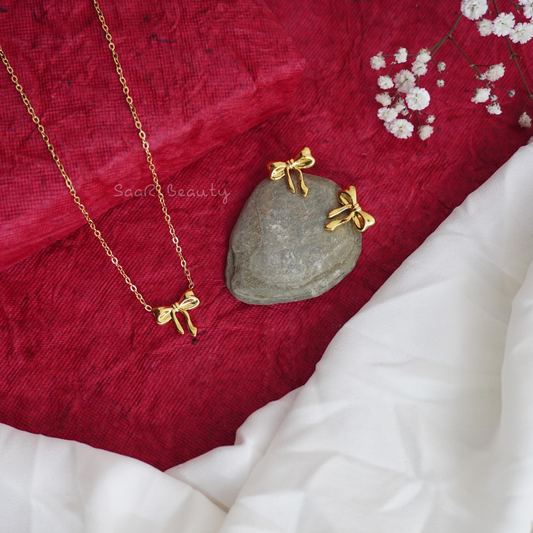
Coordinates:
[81,359]
[199,74]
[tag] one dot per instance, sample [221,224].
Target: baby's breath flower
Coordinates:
[495,72]
[399,106]
[481,95]
[503,24]
[425,131]
[494,109]
[423,56]
[441,66]
[405,112]
[524,121]
[528,7]
[474,9]
[378,61]
[493,98]
[384,99]
[401,55]
[419,68]
[430,119]
[440,83]
[484,27]
[417,99]
[528,10]
[400,128]
[511,93]
[404,81]
[521,33]
[387,114]
[385,82]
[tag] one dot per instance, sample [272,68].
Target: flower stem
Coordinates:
[514,4]
[436,47]
[464,55]
[448,37]
[514,56]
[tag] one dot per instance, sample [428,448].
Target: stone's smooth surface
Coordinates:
[279,250]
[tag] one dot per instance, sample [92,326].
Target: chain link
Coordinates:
[145,146]
[144,142]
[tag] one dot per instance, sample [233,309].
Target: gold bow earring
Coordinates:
[348,198]
[278,169]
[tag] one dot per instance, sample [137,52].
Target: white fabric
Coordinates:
[418,419]
[53,486]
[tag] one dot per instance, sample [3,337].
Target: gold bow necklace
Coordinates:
[188,300]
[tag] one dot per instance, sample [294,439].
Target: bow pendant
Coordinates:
[279,169]
[348,198]
[187,302]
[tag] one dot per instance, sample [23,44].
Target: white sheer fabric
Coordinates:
[418,419]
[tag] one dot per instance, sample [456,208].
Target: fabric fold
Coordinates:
[199,74]
[50,485]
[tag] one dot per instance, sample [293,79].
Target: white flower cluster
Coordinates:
[484,94]
[524,121]
[403,100]
[378,61]
[474,9]
[493,73]
[505,24]
[406,98]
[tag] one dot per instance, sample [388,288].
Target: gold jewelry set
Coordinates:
[348,199]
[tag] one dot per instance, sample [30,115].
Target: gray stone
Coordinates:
[279,250]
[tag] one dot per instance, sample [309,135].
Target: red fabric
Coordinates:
[199,74]
[80,357]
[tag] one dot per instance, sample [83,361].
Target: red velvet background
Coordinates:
[80,359]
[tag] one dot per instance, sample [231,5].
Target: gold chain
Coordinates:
[68,182]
